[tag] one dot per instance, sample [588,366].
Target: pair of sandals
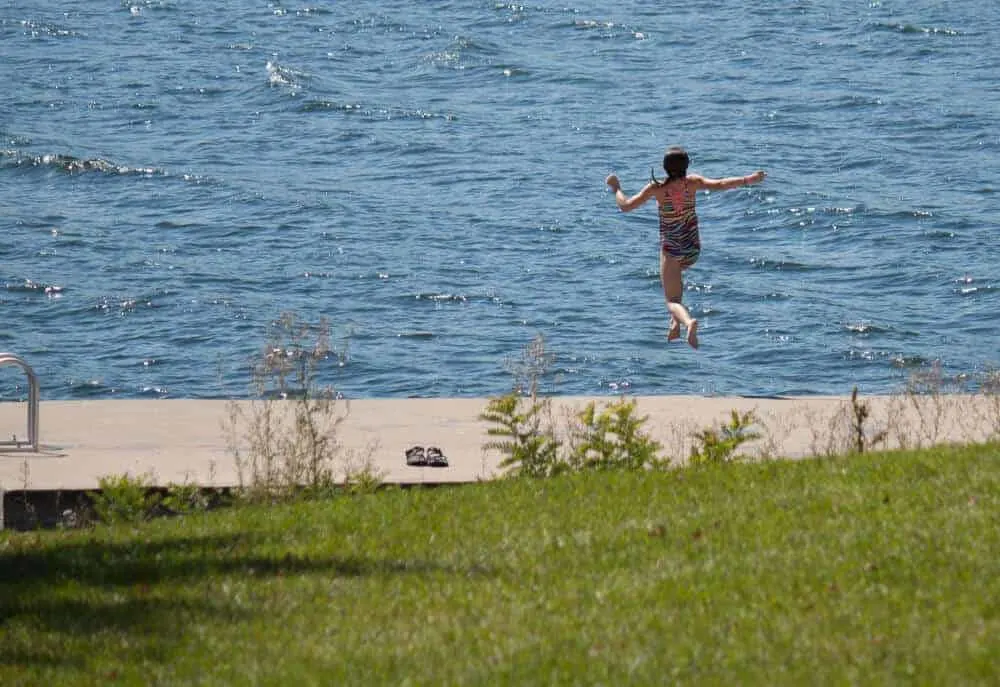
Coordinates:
[418,456]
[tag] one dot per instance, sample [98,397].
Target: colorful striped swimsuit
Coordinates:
[679,228]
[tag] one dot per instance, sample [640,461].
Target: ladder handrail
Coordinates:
[33,394]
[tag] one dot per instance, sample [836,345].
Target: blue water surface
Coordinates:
[429,176]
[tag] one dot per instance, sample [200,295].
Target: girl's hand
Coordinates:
[612,181]
[757,176]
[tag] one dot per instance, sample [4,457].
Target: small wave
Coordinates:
[554,228]
[896,360]
[13,139]
[302,11]
[442,298]
[906,28]
[780,265]
[906,214]
[692,286]
[416,335]
[603,29]
[170,224]
[608,29]
[376,112]
[135,7]
[122,306]
[283,77]
[857,102]
[616,386]
[90,388]
[906,362]
[465,53]
[940,234]
[322,105]
[289,394]
[513,72]
[593,24]
[814,210]
[28,286]
[517,12]
[36,29]
[866,328]
[74,165]
[969,290]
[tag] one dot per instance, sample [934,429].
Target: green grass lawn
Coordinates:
[872,569]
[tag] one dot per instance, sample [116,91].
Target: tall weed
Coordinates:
[285,441]
[124,499]
[611,438]
[720,444]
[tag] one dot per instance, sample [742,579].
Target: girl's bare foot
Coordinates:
[675,330]
[693,334]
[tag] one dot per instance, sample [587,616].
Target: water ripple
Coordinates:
[430,178]
[73,165]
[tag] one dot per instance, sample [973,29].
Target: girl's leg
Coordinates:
[674,332]
[673,290]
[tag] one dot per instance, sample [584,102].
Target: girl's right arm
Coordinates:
[625,203]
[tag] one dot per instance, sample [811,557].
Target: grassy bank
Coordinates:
[868,569]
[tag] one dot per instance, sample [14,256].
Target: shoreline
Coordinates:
[185,441]
[189,442]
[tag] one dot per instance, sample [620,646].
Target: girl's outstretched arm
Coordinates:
[625,204]
[728,182]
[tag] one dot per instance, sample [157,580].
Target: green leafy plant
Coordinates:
[185,498]
[124,499]
[366,479]
[528,444]
[719,444]
[523,430]
[611,439]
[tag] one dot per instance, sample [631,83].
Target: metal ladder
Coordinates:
[32,443]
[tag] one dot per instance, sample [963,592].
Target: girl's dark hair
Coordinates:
[675,164]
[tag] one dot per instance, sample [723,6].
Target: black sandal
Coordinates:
[435,458]
[415,456]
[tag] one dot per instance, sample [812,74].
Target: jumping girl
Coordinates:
[680,244]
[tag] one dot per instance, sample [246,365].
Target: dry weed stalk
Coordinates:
[990,389]
[829,433]
[679,442]
[286,438]
[927,393]
[775,431]
[863,438]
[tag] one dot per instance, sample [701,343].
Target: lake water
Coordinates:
[429,176]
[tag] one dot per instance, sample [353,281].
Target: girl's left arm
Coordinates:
[728,182]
